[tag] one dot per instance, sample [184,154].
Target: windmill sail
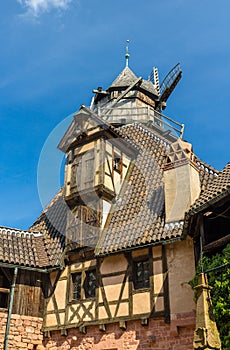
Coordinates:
[169,83]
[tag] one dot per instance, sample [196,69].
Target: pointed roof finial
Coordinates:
[127,54]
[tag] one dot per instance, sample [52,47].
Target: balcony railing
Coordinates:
[125,115]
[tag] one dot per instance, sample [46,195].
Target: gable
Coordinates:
[83,125]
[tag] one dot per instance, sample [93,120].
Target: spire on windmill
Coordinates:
[127,55]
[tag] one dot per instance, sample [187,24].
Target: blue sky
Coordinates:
[54,52]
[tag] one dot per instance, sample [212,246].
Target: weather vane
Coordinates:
[127,53]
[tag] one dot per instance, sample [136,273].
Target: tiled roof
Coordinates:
[216,189]
[138,215]
[52,223]
[22,248]
[207,174]
[52,220]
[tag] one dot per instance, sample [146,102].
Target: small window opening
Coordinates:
[141,274]
[76,279]
[117,165]
[90,284]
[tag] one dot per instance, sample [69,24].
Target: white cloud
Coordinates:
[36,7]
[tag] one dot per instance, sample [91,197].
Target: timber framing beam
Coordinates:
[37,269]
[218,243]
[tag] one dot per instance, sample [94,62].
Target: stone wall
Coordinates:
[25,332]
[157,335]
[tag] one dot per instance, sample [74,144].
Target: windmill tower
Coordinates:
[131,98]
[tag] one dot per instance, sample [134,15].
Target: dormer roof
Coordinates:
[85,125]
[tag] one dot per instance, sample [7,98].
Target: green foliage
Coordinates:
[219,280]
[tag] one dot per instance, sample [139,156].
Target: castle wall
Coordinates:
[156,335]
[25,332]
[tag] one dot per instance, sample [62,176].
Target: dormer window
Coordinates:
[97,159]
[82,176]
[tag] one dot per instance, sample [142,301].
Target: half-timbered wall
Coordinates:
[127,286]
[115,167]
[94,175]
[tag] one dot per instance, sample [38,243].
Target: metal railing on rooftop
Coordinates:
[126,115]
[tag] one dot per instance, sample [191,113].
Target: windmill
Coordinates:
[168,84]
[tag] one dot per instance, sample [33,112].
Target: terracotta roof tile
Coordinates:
[138,215]
[218,187]
[52,223]
[22,248]
[33,248]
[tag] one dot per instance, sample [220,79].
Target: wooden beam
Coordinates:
[4,290]
[217,244]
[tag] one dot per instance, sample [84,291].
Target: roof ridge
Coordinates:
[56,196]
[208,166]
[11,229]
